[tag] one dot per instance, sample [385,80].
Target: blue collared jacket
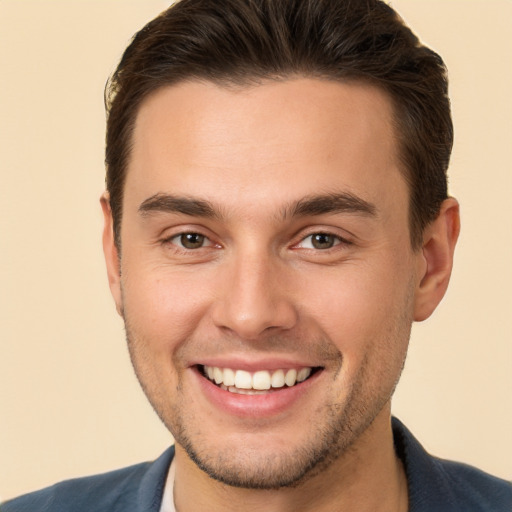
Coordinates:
[435,485]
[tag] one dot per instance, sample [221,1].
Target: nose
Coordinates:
[252,299]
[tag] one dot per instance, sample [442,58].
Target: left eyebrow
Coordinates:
[330,203]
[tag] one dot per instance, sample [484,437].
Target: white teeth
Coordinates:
[243,379]
[262,380]
[278,379]
[229,377]
[303,374]
[238,391]
[290,377]
[218,375]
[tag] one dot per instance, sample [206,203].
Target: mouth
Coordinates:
[256,383]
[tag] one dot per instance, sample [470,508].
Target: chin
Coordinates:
[259,469]
[262,460]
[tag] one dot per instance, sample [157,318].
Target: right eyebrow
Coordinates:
[168,203]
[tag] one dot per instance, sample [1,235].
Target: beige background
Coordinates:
[69,404]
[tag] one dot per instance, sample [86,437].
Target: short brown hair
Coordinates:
[247,41]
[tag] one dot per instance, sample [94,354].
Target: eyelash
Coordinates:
[336,241]
[179,236]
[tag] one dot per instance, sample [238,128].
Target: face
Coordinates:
[267,280]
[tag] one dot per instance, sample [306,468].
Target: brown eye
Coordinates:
[323,240]
[191,240]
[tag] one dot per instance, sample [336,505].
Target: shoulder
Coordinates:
[447,486]
[474,486]
[137,487]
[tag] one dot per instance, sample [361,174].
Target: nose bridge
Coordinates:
[254,298]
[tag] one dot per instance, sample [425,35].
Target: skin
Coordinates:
[258,293]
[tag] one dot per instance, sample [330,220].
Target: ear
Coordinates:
[111,253]
[436,259]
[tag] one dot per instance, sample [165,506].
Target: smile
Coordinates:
[253,383]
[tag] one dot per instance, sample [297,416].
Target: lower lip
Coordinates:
[255,406]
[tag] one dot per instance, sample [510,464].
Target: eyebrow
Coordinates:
[332,203]
[344,202]
[167,203]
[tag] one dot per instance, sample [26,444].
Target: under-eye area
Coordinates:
[259,382]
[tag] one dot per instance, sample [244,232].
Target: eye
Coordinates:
[190,240]
[319,241]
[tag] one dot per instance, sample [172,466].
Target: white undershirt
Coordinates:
[168,497]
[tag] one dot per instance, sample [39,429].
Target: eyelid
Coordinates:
[341,239]
[337,241]
[173,235]
[171,239]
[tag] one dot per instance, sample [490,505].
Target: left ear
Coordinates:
[439,239]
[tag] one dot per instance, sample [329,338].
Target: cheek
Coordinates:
[161,306]
[361,306]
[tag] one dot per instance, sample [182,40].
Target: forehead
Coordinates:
[267,143]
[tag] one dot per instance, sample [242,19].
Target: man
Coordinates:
[276,217]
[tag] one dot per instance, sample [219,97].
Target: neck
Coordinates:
[367,477]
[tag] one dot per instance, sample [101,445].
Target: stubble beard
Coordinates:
[237,466]
[270,471]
